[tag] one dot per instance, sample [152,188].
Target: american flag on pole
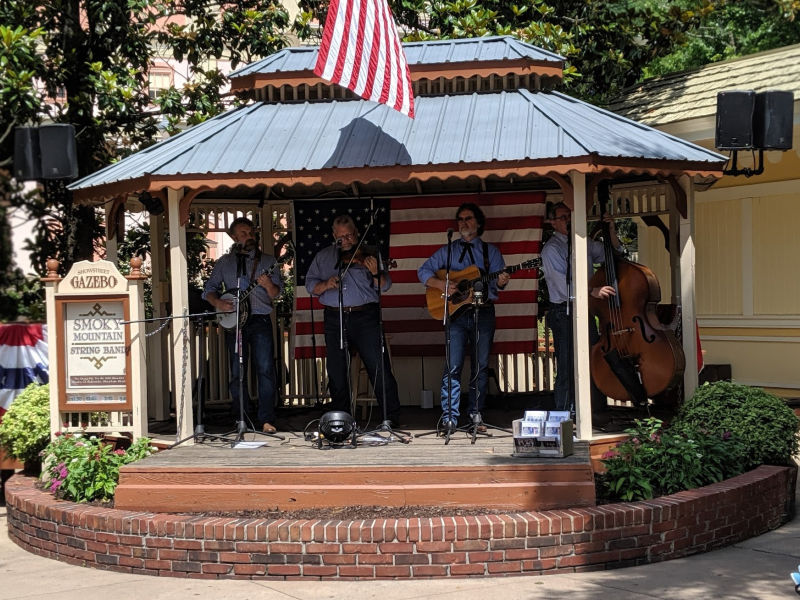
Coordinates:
[361,51]
[417,228]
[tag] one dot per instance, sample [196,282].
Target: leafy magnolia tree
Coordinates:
[607,43]
[733,28]
[86,62]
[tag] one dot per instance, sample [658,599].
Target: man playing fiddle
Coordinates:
[360,315]
[470,250]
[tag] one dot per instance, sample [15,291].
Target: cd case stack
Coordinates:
[543,433]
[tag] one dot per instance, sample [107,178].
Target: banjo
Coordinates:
[228,319]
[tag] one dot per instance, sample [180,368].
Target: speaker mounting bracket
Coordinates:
[746,171]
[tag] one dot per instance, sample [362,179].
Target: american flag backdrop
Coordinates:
[416,228]
[361,51]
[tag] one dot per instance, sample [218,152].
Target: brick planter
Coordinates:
[602,537]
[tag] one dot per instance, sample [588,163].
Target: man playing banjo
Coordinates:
[245,267]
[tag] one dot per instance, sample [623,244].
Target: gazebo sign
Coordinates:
[91,303]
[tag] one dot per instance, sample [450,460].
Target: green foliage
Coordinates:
[766,426]
[85,469]
[25,428]
[732,28]
[657,461]
[92,57]
[607,43]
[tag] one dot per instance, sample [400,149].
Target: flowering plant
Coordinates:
[656,461]
[83,469]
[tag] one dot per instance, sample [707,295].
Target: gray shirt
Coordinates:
[223,278]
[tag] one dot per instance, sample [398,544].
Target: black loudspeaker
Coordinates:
[735,120]
[772,122]
[59,153]
[27,159]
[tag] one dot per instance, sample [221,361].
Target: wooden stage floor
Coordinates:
[294,474]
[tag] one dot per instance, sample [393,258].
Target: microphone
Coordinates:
[449,234]
[338,243]
[237,248]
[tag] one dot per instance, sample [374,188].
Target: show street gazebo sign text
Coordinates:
[93,343]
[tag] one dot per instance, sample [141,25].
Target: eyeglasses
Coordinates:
[347,236]
[561,218]
[459,219]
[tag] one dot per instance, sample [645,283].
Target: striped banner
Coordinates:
[418,228]
[23,359]
[361,50]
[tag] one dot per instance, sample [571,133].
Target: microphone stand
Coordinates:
[241,424]
[472,428]
[385,430]
[343,346]
[443,427]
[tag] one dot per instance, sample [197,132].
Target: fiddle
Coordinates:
[359,254]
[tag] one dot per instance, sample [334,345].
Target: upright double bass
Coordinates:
[637,357]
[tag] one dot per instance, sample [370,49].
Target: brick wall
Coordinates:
[608,536]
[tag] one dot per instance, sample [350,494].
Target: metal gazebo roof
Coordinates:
[343,141]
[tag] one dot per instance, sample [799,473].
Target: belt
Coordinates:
[349,309]
[558,304]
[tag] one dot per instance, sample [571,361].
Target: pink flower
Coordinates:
[727,435]
[56,485]
[610,454]
[119,452]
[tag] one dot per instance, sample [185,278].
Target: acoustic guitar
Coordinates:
[228,319]
[465,281]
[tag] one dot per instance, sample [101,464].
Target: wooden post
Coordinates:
[158,371]
[181,335]
[580,308]
[50,284]
[687,277]
[138,347]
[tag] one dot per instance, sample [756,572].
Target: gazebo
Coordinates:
[487,120]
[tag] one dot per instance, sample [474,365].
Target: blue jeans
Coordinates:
[363,334]
[462,332]
[560,323]
[256,343]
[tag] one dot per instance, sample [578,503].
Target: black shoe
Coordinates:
[449,425]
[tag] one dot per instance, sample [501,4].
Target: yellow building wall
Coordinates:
[776,251]
[718,275]
[747,235]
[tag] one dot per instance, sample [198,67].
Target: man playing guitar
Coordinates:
[469,250]
[257,330]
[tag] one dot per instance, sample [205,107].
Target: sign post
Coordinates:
[99,375]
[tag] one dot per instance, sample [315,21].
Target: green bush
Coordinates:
[25,429]
[761,421]
[85,469]
[657,461]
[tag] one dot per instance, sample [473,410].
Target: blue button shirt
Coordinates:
[554,264]
[461,259]
[358,285]
[223,278]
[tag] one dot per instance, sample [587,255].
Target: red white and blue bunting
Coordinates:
[23,359]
